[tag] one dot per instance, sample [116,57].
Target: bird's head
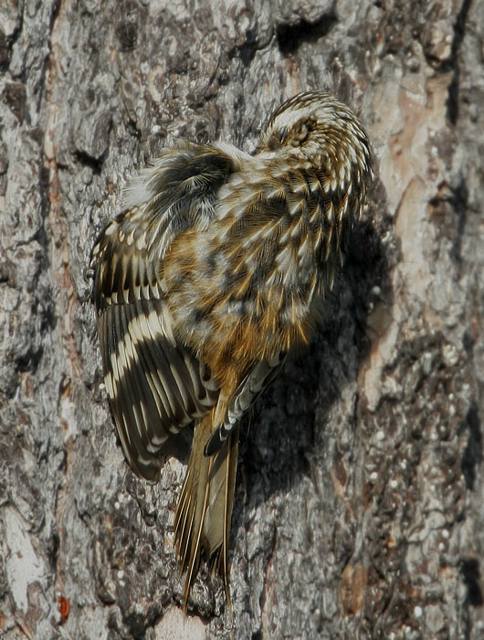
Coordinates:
[312,123]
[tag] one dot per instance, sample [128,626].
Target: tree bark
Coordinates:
[359,508]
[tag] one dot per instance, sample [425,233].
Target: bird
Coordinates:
[216,268]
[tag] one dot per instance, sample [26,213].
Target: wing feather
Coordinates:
[150,368]
[155,384]
[254,383]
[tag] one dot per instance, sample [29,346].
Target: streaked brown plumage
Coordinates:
[215,269]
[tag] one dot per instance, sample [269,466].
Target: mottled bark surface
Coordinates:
[360,497]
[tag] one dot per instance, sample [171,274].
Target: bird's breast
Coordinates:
[248,296]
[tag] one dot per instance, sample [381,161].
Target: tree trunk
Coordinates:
[359,505]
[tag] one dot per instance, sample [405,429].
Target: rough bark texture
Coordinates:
[360,496]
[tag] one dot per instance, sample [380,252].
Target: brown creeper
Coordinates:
[214,270]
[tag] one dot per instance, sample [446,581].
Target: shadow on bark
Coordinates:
[315,378]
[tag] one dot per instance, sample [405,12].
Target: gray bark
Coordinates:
[359,508]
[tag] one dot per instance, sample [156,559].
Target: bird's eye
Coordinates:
[299,133]
[276,139]
[302,132]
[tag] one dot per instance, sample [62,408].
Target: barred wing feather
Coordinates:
[156,386]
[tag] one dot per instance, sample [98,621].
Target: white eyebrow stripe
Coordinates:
[287,118]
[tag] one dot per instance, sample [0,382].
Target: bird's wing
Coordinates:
[155,384]
[254,383]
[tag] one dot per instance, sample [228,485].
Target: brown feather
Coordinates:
[204,510]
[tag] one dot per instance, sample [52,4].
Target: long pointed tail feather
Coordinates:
[204,510]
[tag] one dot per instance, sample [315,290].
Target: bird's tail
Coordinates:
[204,510]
